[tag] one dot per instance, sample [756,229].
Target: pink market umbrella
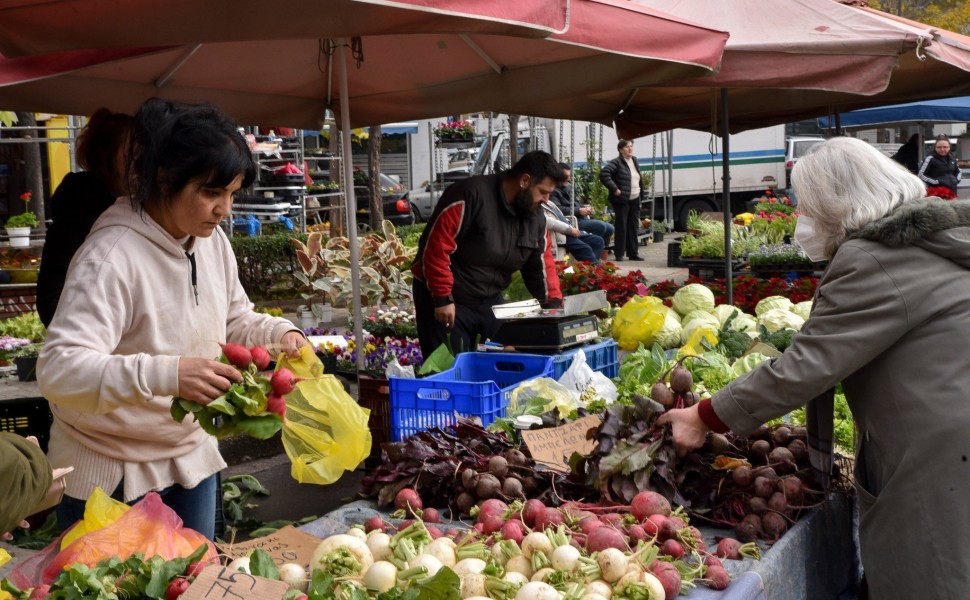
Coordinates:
[260,71]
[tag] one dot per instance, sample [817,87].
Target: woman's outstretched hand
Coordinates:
[686,426]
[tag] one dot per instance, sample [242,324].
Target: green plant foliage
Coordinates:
[27,326]
[266,265]
[410,234]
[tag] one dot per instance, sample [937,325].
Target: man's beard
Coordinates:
[524,204]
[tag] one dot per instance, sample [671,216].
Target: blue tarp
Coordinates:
[948,110]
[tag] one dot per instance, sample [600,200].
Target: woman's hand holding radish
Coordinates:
[292,342]
[688,430]
[202,380]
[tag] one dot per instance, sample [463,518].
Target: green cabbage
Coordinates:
[777,319]
[700,319]
[747,362]
[745,322]
[699,314]
[694,296]
[724,311]
[802,309]
[770,303]
[669,335]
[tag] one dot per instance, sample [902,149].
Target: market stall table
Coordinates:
[815,560]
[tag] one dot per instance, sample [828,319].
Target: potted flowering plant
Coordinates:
[771,259]
[455,131]
[18,226]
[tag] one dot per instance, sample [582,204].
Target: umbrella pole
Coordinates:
[351,202]
[726,197]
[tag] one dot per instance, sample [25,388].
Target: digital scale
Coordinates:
[527,326]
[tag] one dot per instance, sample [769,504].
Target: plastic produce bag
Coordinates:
[149,527]
[396,369]
[638,322]
[550,394]
[580,376]
[325,431]
[100,510]
[693,347]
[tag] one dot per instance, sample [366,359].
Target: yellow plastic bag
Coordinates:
[325,431]
[693,346]
[638,322]
[556,395]
[100,510]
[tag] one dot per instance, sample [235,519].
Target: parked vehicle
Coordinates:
[795,148]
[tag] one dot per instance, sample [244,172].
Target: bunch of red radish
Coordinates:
[281,382]
[646,531]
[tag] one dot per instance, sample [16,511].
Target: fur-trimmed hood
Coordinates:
[938,226]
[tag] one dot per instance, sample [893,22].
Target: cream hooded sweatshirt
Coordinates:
[133,303]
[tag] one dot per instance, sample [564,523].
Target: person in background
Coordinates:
[150,295]
[908,154]
[25,477]
[562,197]
[80,199]
[482,230]
[621,176]
[940,168]
[584,247]
[889,321]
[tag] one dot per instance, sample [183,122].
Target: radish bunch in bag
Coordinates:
[255,406]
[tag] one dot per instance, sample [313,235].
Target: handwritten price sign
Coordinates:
[286,545]
[553,446]
[217,582]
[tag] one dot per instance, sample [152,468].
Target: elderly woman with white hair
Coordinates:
[891,321]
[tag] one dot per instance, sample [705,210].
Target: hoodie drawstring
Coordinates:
[195,287]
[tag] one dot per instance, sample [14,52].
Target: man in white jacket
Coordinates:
[584,247]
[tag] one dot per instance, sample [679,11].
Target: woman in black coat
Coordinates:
[621,176]
[939,168]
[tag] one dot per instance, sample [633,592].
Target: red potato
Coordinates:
[239,356]
[261,357]
[648,503]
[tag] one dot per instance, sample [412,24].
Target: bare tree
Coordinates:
[374,174]
[33,173]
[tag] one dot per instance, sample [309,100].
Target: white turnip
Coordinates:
[443,549]
[612,563]
[295,576]
[520,564]
[598,586]
[379,544]
[381,576]
[536,542]
[565,558]
[537,590]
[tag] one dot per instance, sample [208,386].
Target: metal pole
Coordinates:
[726,197]
[351,202]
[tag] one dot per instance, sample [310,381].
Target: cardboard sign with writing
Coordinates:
[552,447]
[219,582]
[289,544]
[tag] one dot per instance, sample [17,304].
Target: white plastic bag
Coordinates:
[396,369]
[580,376]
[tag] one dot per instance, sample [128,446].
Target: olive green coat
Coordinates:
[25,477]
[891,321]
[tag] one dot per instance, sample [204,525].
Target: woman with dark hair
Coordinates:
[80,199]
[150,295]
[621,176]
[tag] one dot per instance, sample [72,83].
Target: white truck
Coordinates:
[685,165]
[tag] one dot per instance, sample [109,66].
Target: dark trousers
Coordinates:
[585,248]
[474,323]
[626,217]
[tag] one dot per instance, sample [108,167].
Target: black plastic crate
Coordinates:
[27,416]
[673,255]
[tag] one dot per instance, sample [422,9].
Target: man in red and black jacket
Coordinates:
[483,230]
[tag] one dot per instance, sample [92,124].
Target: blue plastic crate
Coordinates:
[479,384]
[601,357]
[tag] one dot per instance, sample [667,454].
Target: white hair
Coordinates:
[844,184]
